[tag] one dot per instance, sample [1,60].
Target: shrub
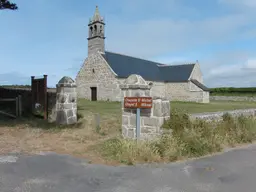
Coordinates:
[236,130]
[187,139]
[129,151]
[179,121]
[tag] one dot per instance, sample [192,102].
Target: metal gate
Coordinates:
[39,96]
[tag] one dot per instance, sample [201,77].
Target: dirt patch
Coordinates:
[77,141]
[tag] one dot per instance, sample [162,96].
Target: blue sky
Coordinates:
[49,37]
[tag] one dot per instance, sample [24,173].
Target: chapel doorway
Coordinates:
[93,93]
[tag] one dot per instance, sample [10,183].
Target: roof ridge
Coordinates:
[159,64]
[136,57]
[165,65]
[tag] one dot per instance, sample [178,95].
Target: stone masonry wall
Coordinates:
[193,87]
[232,98]
[96,44]
[182,92]
[218,115]
[206,97]
[95,72]
[157,89]
[152,119]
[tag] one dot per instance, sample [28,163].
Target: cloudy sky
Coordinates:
[49,37]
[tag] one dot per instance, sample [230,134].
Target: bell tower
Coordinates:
[96,37]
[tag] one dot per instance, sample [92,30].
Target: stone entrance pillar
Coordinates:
[152,119]
[66,102]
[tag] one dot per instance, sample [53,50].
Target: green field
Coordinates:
[114,108]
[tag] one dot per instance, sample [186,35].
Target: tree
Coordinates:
[6,4]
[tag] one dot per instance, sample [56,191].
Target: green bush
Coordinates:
[187,139]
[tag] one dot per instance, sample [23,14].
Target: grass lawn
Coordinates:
[213,106]
[81,140]
[113,108]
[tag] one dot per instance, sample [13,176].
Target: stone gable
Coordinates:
[96,72]
[197,73]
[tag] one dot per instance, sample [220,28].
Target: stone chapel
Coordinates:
[103,71]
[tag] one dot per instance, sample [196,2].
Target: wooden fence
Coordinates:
[18,107]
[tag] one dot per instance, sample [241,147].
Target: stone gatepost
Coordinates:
[152,119]
[66,102]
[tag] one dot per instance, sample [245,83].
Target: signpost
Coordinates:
[138,103]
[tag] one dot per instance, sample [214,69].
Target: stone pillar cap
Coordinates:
[66,82]
[135,81]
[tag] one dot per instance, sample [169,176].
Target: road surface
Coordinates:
[232,171]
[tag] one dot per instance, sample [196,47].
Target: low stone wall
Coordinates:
[232,98]
[26,97]
[218,115]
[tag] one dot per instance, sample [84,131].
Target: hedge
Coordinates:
[233,90]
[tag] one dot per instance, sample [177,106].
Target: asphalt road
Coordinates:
[233,171]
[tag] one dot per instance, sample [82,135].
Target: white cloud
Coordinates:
[251,64]
[240,72]
[162,36]
[239,3]
[165,33]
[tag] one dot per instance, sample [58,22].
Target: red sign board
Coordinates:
[138,102]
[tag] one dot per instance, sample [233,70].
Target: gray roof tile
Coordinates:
[124,66]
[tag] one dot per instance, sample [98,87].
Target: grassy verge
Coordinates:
[188,139]
[98,139]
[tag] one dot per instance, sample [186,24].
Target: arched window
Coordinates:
[101,30]
[91,32]
[95,29]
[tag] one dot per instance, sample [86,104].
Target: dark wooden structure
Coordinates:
[18,107]
[39,94]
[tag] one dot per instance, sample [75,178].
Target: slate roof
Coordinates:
[200,85]
[124,66]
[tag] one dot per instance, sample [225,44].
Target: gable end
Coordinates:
[200,85]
